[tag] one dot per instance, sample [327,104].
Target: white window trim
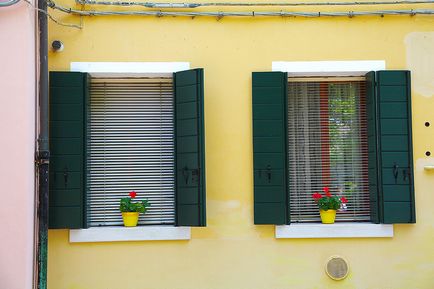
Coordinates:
[119,234]
[129,67]
[328,68]
[140,233]
[337,230]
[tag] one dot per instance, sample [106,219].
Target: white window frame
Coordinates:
[338,230]
[140,233]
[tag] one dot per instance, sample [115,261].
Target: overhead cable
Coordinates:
[8,3]
[51,17]
[221,14]
[242,4]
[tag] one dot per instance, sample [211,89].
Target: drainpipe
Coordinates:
[43,153]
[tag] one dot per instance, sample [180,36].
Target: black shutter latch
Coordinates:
[269,173]
[185,174]
[65,176]
[395,172]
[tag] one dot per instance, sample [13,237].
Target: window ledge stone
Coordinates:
[122,234]
[337,230]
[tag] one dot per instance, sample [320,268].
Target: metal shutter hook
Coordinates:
[269,173]
[65,176]
[395,172]
[185,174]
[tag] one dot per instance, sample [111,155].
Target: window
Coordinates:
[130,146]
[327,145]
[110,134]
[375,161]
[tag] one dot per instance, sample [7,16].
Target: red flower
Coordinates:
[327,191]
[133,194]
[316,196]
[344,200]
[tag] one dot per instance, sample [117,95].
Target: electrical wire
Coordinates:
[221,14]
[51,17]
[240,4]
[8,3]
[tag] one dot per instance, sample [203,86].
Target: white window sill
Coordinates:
[121,234]
[337,230]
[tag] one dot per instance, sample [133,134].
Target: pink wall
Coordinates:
[17,129]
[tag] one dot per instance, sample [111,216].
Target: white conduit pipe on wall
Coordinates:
[239,14]
[239,4]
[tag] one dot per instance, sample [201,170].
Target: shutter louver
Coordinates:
[190,148]
[130,147]
[269,91]
[68,92]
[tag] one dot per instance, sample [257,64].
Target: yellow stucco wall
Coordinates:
[231,252]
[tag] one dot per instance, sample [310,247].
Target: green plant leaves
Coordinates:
[329,203]
[126,205]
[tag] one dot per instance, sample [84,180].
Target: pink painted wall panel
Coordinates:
[17,134]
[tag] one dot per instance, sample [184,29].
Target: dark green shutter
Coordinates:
[373,176]
[269,98]
[68,92]
[393,142]
[190,148]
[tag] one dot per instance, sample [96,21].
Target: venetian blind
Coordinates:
[130,147]
[327,145]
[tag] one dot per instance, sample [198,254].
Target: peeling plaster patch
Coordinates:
[422,162]
[420,60]
[229,220]
[232,204]
[225,206]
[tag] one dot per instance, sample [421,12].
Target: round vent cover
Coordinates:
[337,268]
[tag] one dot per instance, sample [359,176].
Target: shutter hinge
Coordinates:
[42,157]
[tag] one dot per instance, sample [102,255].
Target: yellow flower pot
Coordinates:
[130,218]
[327,217]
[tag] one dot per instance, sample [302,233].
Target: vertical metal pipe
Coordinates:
[43,153]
